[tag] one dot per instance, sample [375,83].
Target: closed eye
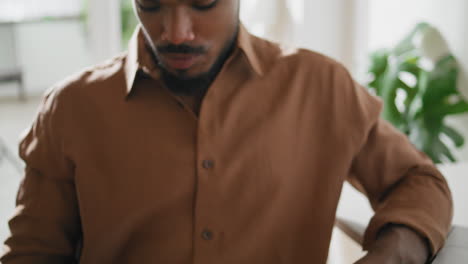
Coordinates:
[148,7]
[205,7]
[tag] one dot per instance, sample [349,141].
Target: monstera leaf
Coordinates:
[423,56]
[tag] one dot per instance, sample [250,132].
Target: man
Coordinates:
[205,144]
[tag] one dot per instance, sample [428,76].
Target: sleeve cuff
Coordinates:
[432,232]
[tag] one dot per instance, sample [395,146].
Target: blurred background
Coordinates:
[42,42]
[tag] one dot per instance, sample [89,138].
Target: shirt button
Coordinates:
[208,164]
[207,235]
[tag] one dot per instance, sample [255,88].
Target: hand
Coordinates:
[397,244]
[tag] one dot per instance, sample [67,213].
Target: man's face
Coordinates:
[188,37]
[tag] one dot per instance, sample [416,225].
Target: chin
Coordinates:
[187,73]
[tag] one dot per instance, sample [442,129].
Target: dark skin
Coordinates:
[191,39]
[397,244]
[204,27]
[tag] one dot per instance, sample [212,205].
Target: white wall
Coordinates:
[6,45]
[325,28]
[104,29]
[389,21]
[336,28]
[47,52]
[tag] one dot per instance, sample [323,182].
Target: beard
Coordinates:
[180,83]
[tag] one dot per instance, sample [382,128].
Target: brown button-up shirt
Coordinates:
[139,175]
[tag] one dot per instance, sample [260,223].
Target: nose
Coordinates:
[177,27]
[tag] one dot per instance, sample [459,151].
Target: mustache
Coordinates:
[181,49]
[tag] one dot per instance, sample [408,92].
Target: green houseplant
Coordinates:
[129,20]
[417,81]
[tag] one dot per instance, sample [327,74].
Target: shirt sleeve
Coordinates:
[402,184]
[46,225]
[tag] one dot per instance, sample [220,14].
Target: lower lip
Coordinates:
[182,62]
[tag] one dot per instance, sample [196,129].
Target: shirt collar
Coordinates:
[245,41]
[139,56]
[131,66]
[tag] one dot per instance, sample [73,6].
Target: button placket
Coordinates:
[206,242]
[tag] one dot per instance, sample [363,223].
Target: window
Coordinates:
[19,10]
